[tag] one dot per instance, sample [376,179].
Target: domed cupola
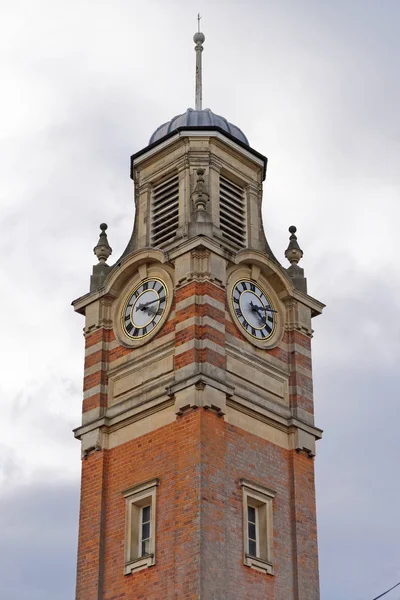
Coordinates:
[199,120]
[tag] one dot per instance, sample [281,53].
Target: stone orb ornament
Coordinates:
[199,38]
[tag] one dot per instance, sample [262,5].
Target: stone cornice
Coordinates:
[182,133]
[108,424]
[287,425]
[315,305]
[125,417]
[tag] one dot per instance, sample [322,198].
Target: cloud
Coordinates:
[357,495]
[315,87]
[38,525]
[361,328]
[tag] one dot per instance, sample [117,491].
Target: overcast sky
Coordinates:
[315,87]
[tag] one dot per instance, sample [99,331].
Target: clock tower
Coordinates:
[197,434]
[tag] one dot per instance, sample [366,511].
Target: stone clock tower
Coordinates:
[198,435]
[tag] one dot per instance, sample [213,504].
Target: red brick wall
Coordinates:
[94,487]
[199,460]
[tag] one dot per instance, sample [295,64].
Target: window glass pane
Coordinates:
[251,514]
[145,531]
[252,531]
[145,547]
[146,513]
[252,548]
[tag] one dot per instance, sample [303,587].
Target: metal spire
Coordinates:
[199,39]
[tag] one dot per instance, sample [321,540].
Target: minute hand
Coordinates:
[146,304]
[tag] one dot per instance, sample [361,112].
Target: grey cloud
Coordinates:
[358,490]
[38,524]
[314,85]
[10,470]
[360,325]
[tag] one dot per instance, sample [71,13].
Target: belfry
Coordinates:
[198,435]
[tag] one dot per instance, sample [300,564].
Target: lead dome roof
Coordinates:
[197,119]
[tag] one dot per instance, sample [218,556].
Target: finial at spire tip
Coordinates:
[199,38]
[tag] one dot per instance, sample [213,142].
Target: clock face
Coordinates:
[253,310]
[144,308]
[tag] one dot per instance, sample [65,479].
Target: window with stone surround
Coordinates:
[140,526]
[258,533]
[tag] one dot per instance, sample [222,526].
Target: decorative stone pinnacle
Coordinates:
[103,248]
[293,252]
[200,195]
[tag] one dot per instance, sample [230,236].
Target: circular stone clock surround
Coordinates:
[134,325]
[248,305]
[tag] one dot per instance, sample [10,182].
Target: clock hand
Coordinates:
[254,307]
[146,304]
[262,318]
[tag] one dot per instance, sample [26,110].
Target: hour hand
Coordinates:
[257,309]
[145,305]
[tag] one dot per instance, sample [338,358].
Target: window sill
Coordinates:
[258,564]
[140,563]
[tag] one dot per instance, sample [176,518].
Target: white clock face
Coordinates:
[144,308]
[253,310]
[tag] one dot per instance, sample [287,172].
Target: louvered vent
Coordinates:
[232,213]
[165,211]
